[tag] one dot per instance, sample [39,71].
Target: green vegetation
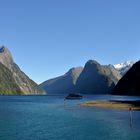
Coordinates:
[8,85]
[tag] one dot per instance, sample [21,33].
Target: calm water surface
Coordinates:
[47,118]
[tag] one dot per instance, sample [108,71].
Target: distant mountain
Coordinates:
[97,79]
[124,67]
[17,77]
[63,84]
[129,84]
[92,79]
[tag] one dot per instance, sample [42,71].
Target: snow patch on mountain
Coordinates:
[124,67]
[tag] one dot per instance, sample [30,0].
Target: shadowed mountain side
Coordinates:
[129,84]
[97,79]
[62,84]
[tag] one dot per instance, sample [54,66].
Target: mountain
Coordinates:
[97,79]
[129,84]
[124,67]
[24,83]
[92,79]
[7,82]
[63,84]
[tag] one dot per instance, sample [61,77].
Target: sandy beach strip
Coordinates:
[127,105]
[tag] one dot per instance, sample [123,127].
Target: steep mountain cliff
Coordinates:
[25,84]
[129,84]
[7,82]
[62,84]
[97,79]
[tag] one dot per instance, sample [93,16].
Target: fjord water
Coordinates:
[48,118]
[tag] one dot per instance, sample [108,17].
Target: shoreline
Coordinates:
[114,104]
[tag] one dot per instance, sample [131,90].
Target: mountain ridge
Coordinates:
[124,67]
[26,85]
[52,85]
[62,84]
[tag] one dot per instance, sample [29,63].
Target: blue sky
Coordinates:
[48,37]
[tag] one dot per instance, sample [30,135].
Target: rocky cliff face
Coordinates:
[7,82]
[97,79]
[25,84]
[63,84]
[129,84]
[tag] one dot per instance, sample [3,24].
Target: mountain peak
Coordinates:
[21,80]
[6,57]
[2,49]
[124,67]
[96,78]
[63,84]
[75,70]
[92,62]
